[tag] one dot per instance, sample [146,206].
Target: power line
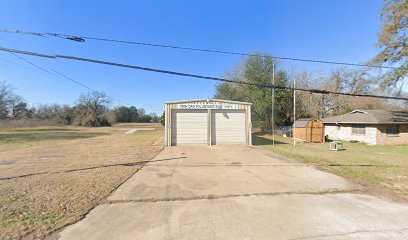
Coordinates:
[32,64]
[83,85]
[56,56]
[18,64]
[55,72]
[72,80]
[79,38]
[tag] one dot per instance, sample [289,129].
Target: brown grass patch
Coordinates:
[48,186]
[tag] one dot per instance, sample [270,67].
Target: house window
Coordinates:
[358,129]
[338,128]
[393,130]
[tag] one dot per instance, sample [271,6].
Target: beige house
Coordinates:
[374,127]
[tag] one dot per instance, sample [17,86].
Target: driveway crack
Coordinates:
[214,197]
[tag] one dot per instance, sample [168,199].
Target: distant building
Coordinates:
[10,116]
[309,130]
[374,127]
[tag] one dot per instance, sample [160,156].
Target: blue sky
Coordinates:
[337,30]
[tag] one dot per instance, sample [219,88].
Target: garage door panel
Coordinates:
[230,133]
[228,127]
[190,132]
[189,127]
[223,120]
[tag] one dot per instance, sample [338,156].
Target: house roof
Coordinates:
[370,117]
[209,100]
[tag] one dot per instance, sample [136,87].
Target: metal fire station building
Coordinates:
[207,122]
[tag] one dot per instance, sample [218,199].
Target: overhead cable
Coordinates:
[321,91]
[55,72]
[79,38]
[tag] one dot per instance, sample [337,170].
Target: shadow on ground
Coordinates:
[258,139]
[130,164]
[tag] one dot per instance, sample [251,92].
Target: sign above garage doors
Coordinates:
[208,106]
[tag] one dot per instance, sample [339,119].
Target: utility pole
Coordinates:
[294,111]
[273,104]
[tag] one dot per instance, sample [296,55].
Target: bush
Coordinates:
[13,123]
[126,114]
[91,121]
[145,118]
[163,119]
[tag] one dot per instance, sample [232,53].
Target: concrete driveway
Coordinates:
[235,192]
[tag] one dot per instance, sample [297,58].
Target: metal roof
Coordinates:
[209,100]
[370,117]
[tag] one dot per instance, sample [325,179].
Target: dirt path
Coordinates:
[131,131]
[46,187]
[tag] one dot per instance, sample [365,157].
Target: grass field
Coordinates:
[382,169]
[52,176]
[15,138]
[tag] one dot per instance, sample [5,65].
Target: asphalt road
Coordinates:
[235,192]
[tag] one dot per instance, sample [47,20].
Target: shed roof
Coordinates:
[302,122]
[209,100]
[370,117]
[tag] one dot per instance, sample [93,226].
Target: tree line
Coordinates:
[393,44]
[91,110]
[259,69]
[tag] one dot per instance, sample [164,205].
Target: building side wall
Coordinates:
[345,133]
[384,139]
[332,132]
[301,133]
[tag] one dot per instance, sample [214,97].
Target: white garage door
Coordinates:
[228,127]
[189,127]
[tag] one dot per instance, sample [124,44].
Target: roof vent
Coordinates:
[358,111]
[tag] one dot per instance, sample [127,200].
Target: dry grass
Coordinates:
[52,183]
[15,138]
[15,123]
[383,169]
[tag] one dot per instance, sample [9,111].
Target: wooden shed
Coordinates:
[309,130]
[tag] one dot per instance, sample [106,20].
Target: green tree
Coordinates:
[259,70]
[126,114]
[145,118]
[393,41]
[20,110]
[163,119]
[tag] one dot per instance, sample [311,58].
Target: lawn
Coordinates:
[14,138]
[52,176]
[382,169]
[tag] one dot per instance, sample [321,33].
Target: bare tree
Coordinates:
[340,80]
[65,113]
[91,108]
[7,99]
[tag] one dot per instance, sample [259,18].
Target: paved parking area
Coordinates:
[235,192]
